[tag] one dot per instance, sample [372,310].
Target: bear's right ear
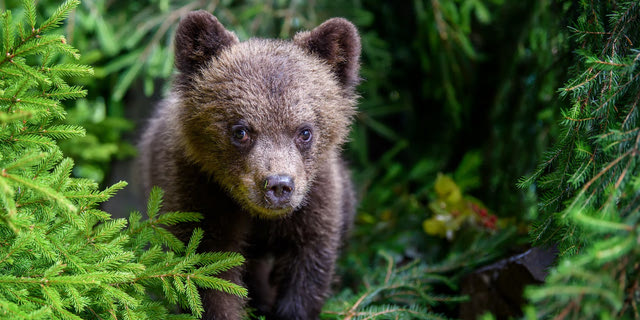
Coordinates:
[199,37]
[337,42]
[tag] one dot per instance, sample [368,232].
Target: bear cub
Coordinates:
[250,136]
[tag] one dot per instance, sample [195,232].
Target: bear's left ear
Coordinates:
[199,37]
[337,42]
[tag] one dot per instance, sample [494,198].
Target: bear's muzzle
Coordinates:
[278,190]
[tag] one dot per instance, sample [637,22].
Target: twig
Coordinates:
[603,171]
[352,310]
[373,315]
[584,82]
[635,103]
[389,271]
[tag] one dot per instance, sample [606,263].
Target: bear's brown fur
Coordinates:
[250,136]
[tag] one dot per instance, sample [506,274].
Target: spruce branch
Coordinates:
[61,257]
[590,191]
[43,190]
[61,13]
[386,293]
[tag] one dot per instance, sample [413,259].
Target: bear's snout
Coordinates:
[278,190]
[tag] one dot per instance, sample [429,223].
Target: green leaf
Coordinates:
[36,102]
[125,81]
[155,202]
[106,38]
[173,218]
[8,31]
[121,296]
[58,15]
[66,131]
[482,13]
[107,230]
[31,72]
[550,290]
[62,47]
[78,301]
[164,237]
[30,9]
[193,298]
[31,140]
[28,158]
[38,45]
[60,175]
[168,290]
[194,242]
[151,256]
[222,262]
[72,71]
[44,191]
[7,199]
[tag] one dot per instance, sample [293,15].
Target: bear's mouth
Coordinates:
[267,210]
[267,204]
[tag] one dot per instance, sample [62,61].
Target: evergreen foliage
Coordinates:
[392,292]
[590,180]
[60,256]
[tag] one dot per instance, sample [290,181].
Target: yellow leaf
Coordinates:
[448,190]
[367,218]
[434,227]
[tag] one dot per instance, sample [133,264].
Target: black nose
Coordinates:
[278,189]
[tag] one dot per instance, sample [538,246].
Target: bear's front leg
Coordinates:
[224,234]
[221,305]
[303,277]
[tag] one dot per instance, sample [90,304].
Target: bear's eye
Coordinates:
[305,135]
[240,134]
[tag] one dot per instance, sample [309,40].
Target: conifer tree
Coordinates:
[590,180]
[60,256]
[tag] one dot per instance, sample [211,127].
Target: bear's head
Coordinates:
[264,117]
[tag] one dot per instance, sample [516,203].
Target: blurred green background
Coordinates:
[458,101]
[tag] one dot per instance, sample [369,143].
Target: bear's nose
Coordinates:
[278,189]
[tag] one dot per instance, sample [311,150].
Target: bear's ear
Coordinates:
[338,43]
[199,37]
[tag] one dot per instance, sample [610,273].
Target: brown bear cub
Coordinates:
[250,137]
